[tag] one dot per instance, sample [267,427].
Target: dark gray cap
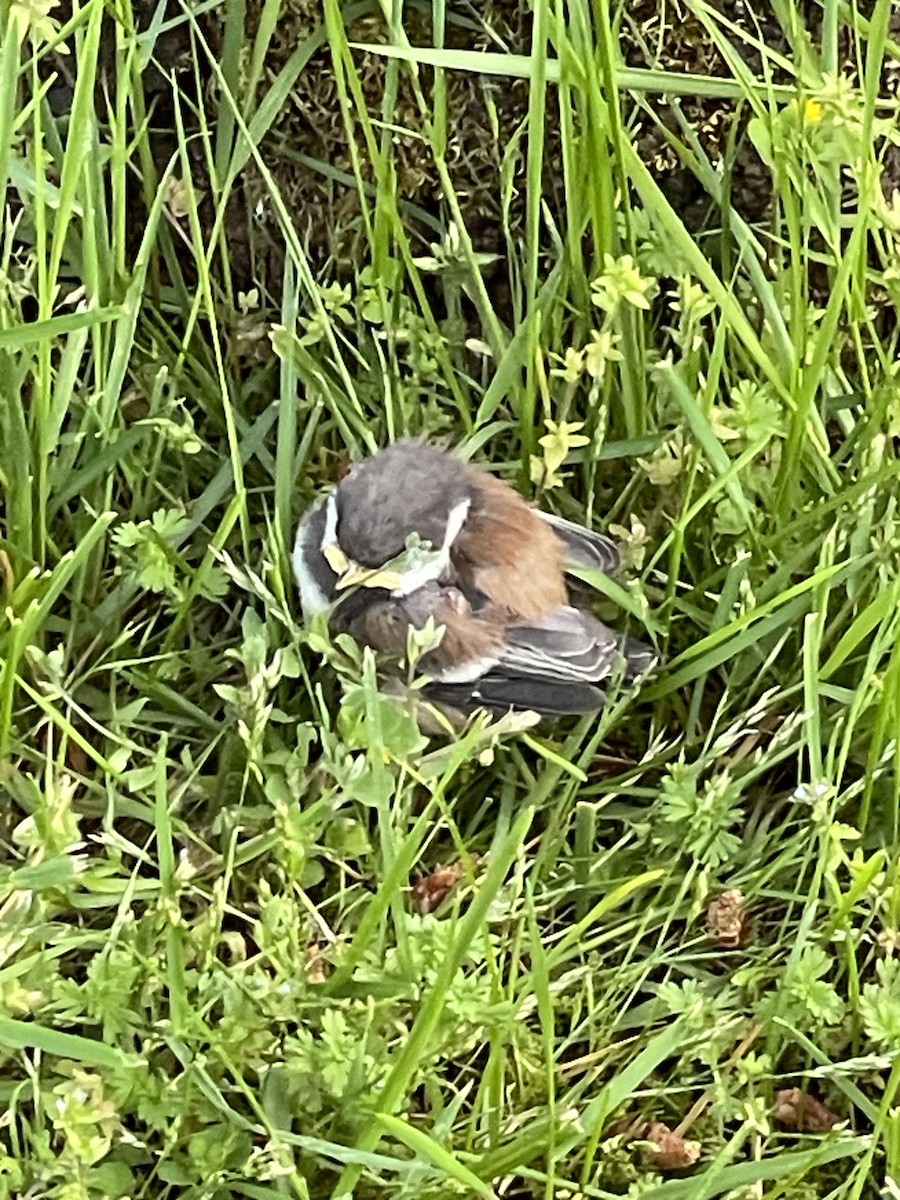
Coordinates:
[407,488]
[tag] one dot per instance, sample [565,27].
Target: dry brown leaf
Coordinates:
[726,919]
[431,891]
[796,1109]
[669,1151]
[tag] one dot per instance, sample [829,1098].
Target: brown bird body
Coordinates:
[509,553]
[385,624]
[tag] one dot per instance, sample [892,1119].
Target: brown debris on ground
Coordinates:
[668,1151]
[664,1149]
[796,1109]
[726,919]
[433,889]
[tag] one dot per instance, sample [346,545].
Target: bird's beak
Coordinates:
[335,557]
[352,575]
[356,576]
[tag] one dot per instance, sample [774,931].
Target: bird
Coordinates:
[414,534]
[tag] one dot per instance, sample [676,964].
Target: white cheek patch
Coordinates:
[455,522]
[329,536]
[312,599]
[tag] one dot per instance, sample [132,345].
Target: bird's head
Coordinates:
[392,521]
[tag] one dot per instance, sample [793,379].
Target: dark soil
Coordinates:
[309,154]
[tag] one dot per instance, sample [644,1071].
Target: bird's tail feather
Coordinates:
[499,693]
[638,656]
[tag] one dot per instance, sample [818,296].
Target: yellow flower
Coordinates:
[621,280]
[541,477]
[599,351]
[556,445]
[34,16]
[813,111]
[666,463]
[573,366]
[719,419]
[632,542]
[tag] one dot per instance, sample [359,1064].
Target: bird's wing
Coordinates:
[555,665]
[583,547]
[569,645]
[565,645]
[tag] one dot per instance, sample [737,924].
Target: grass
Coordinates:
[215,977]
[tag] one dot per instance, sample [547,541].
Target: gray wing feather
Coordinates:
[564,645]
[555,667]
[584,547]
